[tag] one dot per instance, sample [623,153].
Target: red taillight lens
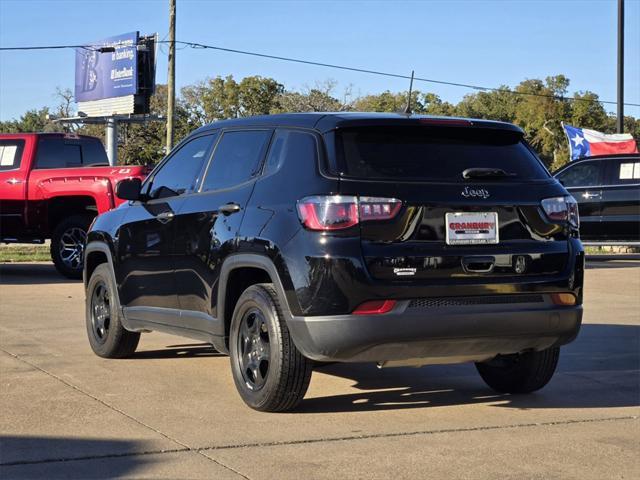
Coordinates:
[334,212]
[375,307]
[562,209]
[337,212]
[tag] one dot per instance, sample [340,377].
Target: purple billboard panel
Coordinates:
[109,74]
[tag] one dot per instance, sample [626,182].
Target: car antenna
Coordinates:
[407,109]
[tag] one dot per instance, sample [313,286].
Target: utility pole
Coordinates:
[620,122]
[171,77]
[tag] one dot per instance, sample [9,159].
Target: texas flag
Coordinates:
[588,143]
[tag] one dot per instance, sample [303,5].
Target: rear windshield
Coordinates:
[61,152]
[433,153]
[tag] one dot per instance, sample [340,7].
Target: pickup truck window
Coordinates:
[93,152]
[586,174]
[10,154]
[624,172]
[59,152]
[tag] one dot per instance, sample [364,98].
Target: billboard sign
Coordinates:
[109,74]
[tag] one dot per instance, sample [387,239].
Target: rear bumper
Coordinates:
[416,334]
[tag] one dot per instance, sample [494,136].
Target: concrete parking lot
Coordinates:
[172,411]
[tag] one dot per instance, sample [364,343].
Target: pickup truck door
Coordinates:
[584,180]
[621,200]
[145,246]
[13,181]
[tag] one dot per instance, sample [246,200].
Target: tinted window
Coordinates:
[181,172]
[56,152]
[433,153]
[626,171]
[10,154]
[236,159]
[290,144]
[93,152]
[585,174]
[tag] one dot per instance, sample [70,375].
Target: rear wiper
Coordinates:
[486,173]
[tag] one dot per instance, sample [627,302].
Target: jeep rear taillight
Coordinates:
[562,209]
[338,212]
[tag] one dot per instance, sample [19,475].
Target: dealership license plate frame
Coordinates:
[454,237]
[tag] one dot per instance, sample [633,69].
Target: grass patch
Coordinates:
[25,253]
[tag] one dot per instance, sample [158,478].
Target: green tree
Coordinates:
[432,104]
[500,104]
[587,112]
[388,101]
[538,106]
[320,98]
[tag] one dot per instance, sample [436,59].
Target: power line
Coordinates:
[52,47]
[393,75]
[196,45]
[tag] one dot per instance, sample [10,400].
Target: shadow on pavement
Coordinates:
[601,369]
[31,274]
[189,350]
[58,457]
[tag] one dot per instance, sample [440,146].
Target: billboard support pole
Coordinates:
[111,138]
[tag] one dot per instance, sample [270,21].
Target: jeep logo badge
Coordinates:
[475,192]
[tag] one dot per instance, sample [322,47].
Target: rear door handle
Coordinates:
[591,195]
[165,217]
[229,208]
[13,181]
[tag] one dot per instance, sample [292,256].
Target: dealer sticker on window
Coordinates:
[471,228]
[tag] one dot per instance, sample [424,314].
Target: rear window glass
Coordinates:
[433,153]
[10,154]
[60,152]
[93,152]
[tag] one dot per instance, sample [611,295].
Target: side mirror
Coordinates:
[129,189]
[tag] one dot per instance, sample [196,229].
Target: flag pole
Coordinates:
[620,119]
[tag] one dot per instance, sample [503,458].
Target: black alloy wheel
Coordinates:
[254,349]
[270,373]
[100,312]
[107,336]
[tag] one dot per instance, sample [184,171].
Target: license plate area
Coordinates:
[471,228]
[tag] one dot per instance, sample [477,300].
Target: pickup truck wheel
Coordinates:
[67,245]
[521,373]
[270,373]
[107,336]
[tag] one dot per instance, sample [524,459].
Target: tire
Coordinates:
[67,244]
[520,373]
[270,373]
[107,337]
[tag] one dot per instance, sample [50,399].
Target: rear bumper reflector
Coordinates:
[374,307]
[563,298]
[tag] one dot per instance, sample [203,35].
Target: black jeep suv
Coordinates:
[350,237]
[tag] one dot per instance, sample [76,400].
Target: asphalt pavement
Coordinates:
[172,410]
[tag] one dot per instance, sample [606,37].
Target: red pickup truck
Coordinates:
[52,185]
